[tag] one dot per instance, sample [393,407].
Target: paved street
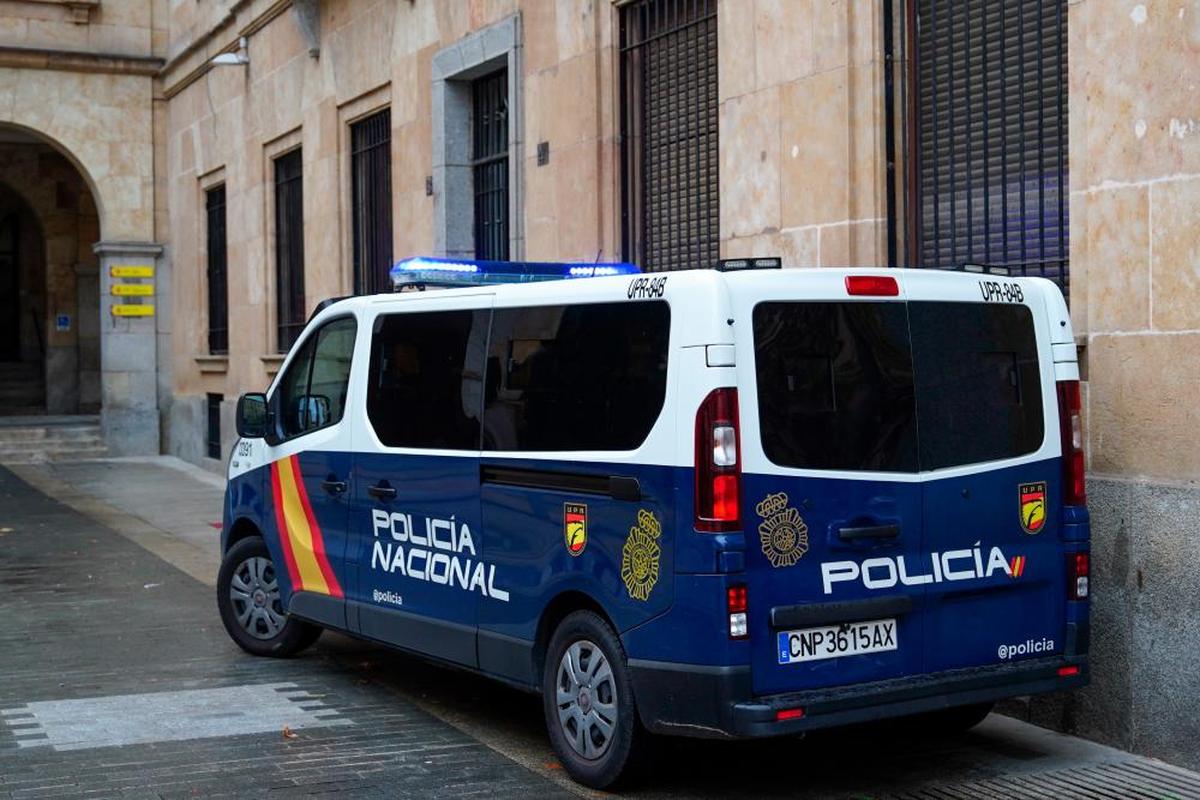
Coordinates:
[117,680]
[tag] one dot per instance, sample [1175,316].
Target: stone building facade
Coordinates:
[279,152]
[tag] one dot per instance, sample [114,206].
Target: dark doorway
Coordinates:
[10,289]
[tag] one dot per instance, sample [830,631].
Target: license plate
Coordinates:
[835,641]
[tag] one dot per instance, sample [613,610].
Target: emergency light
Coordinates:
[454,272]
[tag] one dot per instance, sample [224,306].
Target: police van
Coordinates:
[725,503]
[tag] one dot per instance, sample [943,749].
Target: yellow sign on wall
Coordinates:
[131,272]
[133,311]
[133,290]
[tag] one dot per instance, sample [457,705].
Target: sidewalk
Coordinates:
[168,506]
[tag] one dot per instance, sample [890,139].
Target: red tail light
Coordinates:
[1079,565]
[1070,422]
[784,714]
[1068,672]
[718,462]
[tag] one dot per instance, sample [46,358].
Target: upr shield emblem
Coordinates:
[1033,506]
[640,556]
[575,527]
[783,532]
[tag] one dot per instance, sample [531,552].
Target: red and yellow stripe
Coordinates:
[1018,566]
[303,546]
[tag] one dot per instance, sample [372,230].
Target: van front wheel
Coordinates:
[249,602]
[587,695]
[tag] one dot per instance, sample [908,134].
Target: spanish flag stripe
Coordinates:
[318,540]
[281,526]
[298,529]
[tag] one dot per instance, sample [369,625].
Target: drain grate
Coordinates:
[1118,780]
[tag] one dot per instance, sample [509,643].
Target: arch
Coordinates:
[38,137]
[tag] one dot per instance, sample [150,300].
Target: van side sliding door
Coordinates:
[415,521]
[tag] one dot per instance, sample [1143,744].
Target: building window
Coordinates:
[371,204]
[990,182]
[213,440]
[289,249]
[218,292]
[669,212]
[489,164]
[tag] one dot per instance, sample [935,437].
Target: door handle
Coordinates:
[382,491]
[869,532]
[333,486]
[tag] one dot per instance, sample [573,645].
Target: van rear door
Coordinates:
[991,468]
[897,475]
[833,509]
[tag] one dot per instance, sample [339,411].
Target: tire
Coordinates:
[598,690]
[248,600]
[954,720]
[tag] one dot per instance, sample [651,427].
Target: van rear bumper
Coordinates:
[717,702]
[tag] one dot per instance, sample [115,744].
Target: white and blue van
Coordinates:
[723,503]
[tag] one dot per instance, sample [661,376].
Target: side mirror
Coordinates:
[253,416]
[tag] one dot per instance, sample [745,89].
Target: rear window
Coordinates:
[896,387]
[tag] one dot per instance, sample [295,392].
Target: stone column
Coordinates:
[128,355]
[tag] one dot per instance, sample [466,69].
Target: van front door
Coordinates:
[418,542]
[310,470]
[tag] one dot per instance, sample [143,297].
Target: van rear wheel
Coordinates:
[587,696]
[250,606]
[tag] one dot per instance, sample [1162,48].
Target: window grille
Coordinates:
[489,164]
[669,203]
[990,128]
[289,249]
[213,438]
[218,291]
[371,202]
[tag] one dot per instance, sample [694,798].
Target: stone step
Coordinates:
[51,445]
[41,456]
[48,433]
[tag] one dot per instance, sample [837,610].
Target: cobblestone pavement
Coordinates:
[117,680]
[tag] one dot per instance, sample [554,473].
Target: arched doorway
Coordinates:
[49,282]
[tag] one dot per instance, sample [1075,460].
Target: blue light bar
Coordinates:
[469,272]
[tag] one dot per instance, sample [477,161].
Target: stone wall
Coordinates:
[224,125]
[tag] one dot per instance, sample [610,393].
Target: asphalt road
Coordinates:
[117,680]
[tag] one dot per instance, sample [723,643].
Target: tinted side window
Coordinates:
[578,377]
[312,393]
[835,386]
[426,379]
[979,391]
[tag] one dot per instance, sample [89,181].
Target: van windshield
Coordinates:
[896,387]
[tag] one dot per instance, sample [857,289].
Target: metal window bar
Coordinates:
[991,181]
[371,201]
[213,438]
[669,203]
[217,269]
[289,249]
[489,165]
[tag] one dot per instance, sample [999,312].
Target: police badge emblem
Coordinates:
[575,527]
[640,556]
[1033,506]
[783,532]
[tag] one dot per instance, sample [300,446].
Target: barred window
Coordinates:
[489,164]
[990,128]
[289,250]
[218,291]
[371,201]
[669,209]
